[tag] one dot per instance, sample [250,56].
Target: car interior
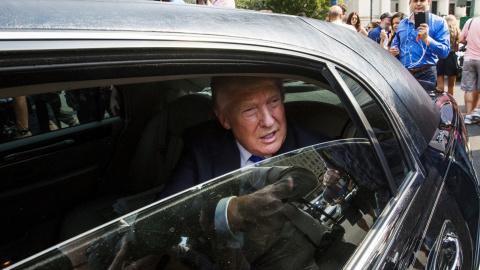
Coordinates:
[63,182]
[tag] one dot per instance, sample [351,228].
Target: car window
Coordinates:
[310,206]
[381,127]
[31,115]
[280,213]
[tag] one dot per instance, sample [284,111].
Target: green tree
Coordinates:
[250,4]
[312,8]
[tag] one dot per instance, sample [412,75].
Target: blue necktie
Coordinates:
[255,159]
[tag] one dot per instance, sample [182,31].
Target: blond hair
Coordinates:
[453,29]
[228,85]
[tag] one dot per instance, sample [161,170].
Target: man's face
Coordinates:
[370,27]
[256,116]
[419,5]
[387,22]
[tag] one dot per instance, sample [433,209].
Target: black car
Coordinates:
[109,89]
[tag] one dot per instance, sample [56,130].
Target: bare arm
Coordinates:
[462,39]
[20,110]
[363,31]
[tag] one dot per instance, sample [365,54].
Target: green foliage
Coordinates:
[312,8]
[250,4]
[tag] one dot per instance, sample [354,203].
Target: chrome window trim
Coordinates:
[386,228]
[10,39]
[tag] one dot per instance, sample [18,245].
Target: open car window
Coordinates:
[280,213]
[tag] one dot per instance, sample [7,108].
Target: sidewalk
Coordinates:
[473,130]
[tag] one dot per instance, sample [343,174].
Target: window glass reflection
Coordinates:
[25,116]
[307,209]
[382,129]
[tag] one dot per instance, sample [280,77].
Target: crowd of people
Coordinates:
[428,50]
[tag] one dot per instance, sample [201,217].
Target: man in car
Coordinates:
[251,126]
[419,49]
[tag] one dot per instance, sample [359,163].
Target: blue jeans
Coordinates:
[427,78]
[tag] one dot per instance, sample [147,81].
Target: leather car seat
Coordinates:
[328,119]
[158,150]
[155,157]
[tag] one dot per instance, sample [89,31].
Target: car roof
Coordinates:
[335,43]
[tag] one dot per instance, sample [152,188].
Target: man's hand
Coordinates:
[394,50]
[338,201]
[383,36]
[263,208]
[258,207]
[423,33]
[331,177]
[350,185]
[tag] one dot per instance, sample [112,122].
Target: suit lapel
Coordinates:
[290,142]
[226,156]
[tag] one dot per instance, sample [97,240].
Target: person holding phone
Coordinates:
[422,39]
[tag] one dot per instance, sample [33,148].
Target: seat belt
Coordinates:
[161,146]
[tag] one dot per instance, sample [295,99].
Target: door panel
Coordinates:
[426,213]
[447,243]
[447,251]
[46,175]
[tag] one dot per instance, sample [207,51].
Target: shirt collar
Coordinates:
[245,155]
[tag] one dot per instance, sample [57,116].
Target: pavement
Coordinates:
[473,130]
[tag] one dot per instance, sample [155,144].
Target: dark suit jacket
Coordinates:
[210,150]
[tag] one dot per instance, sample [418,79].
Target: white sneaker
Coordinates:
[469,121]
[476,115]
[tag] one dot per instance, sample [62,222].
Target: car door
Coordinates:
[306,82]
